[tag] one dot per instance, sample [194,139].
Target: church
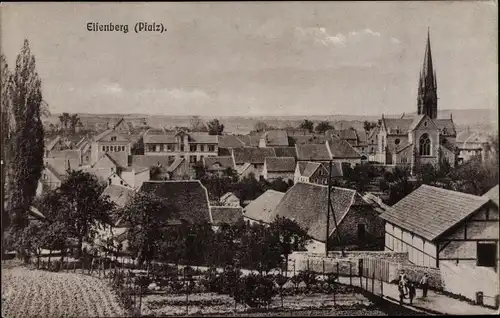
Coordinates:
[421,139]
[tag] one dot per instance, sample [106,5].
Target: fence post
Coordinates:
[294,261]
[381,287]
[366,281]
[373,282]
[308,264]
[324,278]
[338,269]
[350,273]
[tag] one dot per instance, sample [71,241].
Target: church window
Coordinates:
[397,141]
[425,124]
[425,145]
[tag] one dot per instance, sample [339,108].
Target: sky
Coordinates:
[253,59]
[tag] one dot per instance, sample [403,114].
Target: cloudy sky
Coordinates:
[257,58]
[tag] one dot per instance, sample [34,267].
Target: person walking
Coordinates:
[424,284]
[411,291]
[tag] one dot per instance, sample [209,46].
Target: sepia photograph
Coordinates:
[249,159]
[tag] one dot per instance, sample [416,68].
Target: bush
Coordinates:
[308,277]
[255,290]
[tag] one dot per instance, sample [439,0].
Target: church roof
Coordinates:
[446,126]
[397,126]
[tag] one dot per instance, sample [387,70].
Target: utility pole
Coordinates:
[328,207]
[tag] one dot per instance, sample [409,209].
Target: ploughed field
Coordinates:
[30,293]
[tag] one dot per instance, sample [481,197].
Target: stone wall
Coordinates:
[415,274]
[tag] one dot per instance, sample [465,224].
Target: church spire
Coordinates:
[427,92]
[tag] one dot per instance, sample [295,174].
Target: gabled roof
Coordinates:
[243,168]
[285,152]
[120,158]
[336,168]
[346,134]
[230,141]
[60,175]
[67,153]
[315,152]
[492,195]
[118,194]
[228,196]
[226,215]
[262,208]
[395,125]
[189,198]
[310,139]
[145,161]
[162,137]
[276,138]
[177,162]
[342,149]
[468,136]
[373,132]
[52,143]
[430,211]
[251,140]
[280,164]
[223,162]
[308,168]
[203,138]
[445,126]
[417,120]
[252,155]
[306,203]
[224,152]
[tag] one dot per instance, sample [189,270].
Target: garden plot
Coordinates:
[30,293]
[212,303]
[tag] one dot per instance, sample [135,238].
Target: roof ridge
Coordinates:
[472,196]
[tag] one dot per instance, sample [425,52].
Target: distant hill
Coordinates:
[476,119]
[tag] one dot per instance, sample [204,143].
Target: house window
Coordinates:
[192,148]
[361,232]
[397,141]
[182,147]
[486,254]
[113,138]
[211,148]
[425,145]
[123,148]
[192,159]
[103,148]
[121,182]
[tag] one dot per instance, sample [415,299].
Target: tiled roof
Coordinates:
[225,198]
[243,168]
[416,120]
[177,162]
[336,168]
[402,146]
[223,162]
[226,214]
[224,152]
[101,174]
[58,174]
[493,194]
[373,132]
[252,155]
[306,203]
[203,138]
[118,194]
[307,168]
[280,164]
[285,152]
[470,136]
[50,145]
[310,139]
[276,138]
[342,149]
[346,134]
[144,161]
[153,138]
[312,152]
[68,153]
[103,134]
[362,137]
[446,124]
[394,124]
[262,208]
[250,140]
[121,158]
[189,198]
[230,141]
[429,211]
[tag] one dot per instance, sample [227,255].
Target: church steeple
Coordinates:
[427,86]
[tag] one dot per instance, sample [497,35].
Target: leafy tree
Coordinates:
[369,125]
[396,184]
[308,277]
[260,249]
[155,173]
[291,236]
[215,127]
[65,120]
[138,147]
[359,177]
[197,124]
[323,126]
[307,124]
[25,145]
[6,130]
[83,207]
[255,290]
[248,188]
[74,122]
[261,127]
[148,216]
[199,170]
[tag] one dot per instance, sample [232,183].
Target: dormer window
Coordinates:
[113,138]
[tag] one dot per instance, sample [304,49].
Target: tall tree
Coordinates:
[307,124]
[85,207]
[149,216]
[74,120]
[215,127]
[197,124]
[6,130]
[260,127]
[323,126]
[25,145]
[138,147]
[64,118]
[368,125]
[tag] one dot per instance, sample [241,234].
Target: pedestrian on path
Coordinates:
[411,291]
[424,284]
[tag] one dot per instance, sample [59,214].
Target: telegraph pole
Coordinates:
[328,206]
